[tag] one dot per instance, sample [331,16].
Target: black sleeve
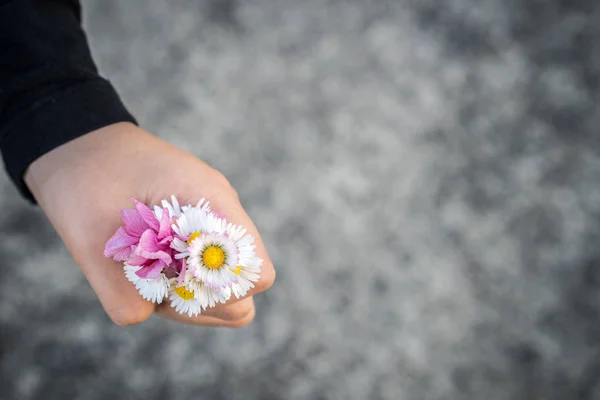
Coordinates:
[50,89]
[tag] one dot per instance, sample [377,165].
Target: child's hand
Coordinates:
[83,185]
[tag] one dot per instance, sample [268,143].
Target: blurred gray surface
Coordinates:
[425,174]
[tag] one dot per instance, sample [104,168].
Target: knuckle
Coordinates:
[130,316]
[218,179]
[222,184]
[237,312]
[267,279]
[243,322]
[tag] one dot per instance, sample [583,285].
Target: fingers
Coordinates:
[119,297]
[235,315]
[83,205]
[130,312]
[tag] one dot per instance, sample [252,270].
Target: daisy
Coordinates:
[208,297]
[212,258]
[191,224]
[248,265]
[184,300]
[151,289]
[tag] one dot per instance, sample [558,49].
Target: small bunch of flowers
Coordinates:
[189,254]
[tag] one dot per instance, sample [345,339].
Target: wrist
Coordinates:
[82,160]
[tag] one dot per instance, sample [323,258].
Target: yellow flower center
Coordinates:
[213,257]
[236,270]
[184,293]
[193,237]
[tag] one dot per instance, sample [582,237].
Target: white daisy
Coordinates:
[248,265]
[218,253]
[184,300]
[212,259]
[191,224]
[154,290]
[208,297]
[175,209]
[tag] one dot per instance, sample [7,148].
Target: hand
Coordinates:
[83,184]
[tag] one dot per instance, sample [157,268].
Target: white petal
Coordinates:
[154,290]
[176,207]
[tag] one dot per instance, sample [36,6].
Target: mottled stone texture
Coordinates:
[425,174]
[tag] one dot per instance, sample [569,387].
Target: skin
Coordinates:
[83,184]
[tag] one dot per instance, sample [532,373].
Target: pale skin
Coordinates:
[83,184]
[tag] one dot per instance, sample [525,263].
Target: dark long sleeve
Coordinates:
[50,89]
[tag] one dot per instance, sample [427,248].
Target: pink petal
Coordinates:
[146,214]
[134,223]
[119,241]
[166,241]
[122,254]
[165,229]
[151,249]
[182,272]
[148,241]
[138,260]
[151,271]
[164,256]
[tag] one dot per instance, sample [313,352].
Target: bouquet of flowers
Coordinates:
[190,254]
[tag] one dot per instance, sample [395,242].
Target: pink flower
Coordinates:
[143,241]
[119,246]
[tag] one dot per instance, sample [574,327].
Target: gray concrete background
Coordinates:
[425,174]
